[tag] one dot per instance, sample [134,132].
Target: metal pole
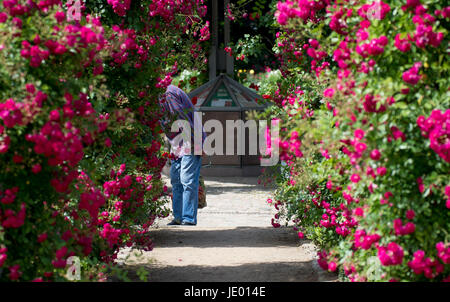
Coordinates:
[229,60]
[214,40]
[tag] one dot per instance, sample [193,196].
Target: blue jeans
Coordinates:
[184,175]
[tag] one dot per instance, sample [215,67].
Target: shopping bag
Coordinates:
[201,193]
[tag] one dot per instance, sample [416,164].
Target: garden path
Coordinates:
[233,241]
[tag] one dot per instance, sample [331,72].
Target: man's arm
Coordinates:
[168,115]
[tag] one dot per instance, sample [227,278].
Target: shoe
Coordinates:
[188,223]
[174,222]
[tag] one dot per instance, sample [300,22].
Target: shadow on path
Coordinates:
[255,272]
[241,254]
[180,236]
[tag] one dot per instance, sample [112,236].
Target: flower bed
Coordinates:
[80,140]
[365,116]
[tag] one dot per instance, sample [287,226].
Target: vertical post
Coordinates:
[229,60]
[241,157]
[214,40]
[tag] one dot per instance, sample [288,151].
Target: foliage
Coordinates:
[364,107]
[252,34]
[190,79]
[80,143]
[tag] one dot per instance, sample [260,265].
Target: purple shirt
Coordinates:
[176,105]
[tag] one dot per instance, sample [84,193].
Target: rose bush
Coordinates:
[80,140]
[364,106]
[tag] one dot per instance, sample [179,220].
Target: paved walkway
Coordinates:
[233,241]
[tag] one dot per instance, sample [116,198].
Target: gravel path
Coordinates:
[233,241]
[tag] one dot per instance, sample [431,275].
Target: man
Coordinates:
[185,167]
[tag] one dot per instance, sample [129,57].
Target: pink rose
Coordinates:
[381,171]
[410,214]
[375,154]
[328,93]
[36,168]
[3,17]
[355,178]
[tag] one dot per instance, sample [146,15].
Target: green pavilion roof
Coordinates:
[225,94]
